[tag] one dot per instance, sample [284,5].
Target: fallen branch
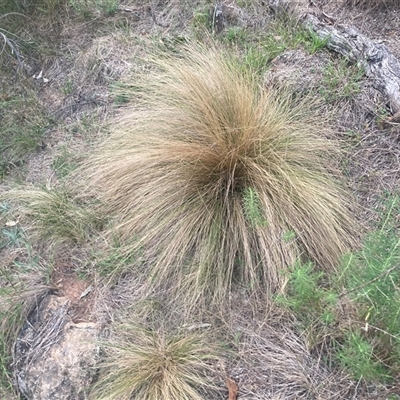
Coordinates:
[379,63]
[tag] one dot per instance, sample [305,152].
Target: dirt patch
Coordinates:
[79,294]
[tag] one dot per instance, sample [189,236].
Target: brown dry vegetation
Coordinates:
[159,201]
[208,176]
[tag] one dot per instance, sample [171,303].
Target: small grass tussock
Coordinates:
[64,163]
[113,261]
[177,173]
[202,21]
[152,365]
[358,308]
[57,215]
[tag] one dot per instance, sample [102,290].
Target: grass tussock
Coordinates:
[215,179]
[152,365]
[57,215]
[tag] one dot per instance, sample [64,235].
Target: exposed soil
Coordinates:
[78,292]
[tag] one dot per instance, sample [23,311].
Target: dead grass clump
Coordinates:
[289,369]
[216,179]
[152,365]
[23,282]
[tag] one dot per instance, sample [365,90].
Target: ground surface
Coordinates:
[83,63]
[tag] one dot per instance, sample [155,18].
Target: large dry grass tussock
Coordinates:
[215,179]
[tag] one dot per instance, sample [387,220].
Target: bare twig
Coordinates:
[11,44]
[12,13]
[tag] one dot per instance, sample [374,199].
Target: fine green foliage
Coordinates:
[49,7]
[313,42]
[357,356]
[312,302]
[57,215]
[64,163]
[372,277]
[22,5]
[22,125]
[366,339]
[89,9]
[257,51]
[285,34]
[201,22]
[252,208]
[7,6]
[178,171]
[86,8]
[341,80]
[153,365]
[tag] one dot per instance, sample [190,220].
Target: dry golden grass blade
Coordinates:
[215,180]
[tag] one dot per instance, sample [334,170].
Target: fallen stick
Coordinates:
[379,63]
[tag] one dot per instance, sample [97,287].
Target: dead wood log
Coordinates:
[379,63]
